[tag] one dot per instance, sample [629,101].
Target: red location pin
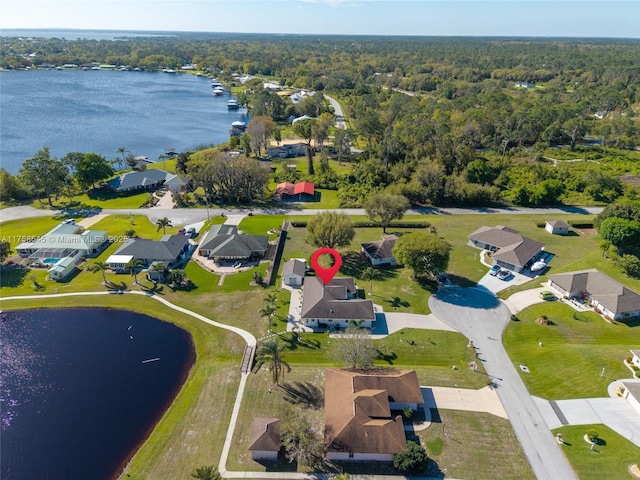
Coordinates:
[326,274]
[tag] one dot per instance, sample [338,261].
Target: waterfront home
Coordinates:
[151,179]
[170,250]
[334,306]
[607,296]
[508,248]
[62,269]
[360,423]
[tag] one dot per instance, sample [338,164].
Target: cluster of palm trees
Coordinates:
[270,350]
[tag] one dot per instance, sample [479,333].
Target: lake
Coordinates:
[99,111]
[80,389]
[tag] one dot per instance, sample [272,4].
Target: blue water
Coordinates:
[100,111]
[76,399]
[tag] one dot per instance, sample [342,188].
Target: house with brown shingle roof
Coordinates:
[508,248]
[264,441]
[607,296]
[359,423]
[334,305]
[380,252]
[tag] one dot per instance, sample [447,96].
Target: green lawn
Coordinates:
[576,349]
[611,458]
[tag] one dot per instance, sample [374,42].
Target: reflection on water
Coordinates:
[81,389]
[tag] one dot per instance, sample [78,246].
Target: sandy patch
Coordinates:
[89,221]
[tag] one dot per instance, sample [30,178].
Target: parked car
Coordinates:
[191,232]
[547,295]
[504,274]
[494,270]
[69,221]
[182,231]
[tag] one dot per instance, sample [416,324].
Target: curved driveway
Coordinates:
[481,317]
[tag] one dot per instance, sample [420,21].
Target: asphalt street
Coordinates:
[481,317]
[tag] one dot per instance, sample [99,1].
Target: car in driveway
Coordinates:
[494,270]
[504,274]
[547,295]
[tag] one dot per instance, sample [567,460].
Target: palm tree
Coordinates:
[370,274]
[163,223]
[122,150]
[102,267]
[266,312]
[208,472]
[272,298]
[134,265]
[270,352]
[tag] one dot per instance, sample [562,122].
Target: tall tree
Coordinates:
[305,129]
[270,352]
[330,229]
[122,151]
[90,169]
[5,250]
[163,223]
[302,438]
[321,128]
[44,174]
[342,144]
[101,267]
[134,265]
[370,274]
[261,129]
[383,208]
[425,253]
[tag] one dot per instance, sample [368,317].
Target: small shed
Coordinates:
[264,441]
[62,269]
[293,272]
[557,227]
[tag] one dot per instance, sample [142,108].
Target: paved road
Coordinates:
[337,110]
[481,317]
[184,216]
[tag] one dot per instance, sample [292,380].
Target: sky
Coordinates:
[528,18]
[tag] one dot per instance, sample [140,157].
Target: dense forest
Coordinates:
[442,121]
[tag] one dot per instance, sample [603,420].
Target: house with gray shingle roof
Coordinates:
[223,242]
[380,252]
[151,179]
[607,296]
[508,248]
[170,250]
[293,272]
[334,305]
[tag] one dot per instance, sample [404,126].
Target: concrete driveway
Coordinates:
[481,317]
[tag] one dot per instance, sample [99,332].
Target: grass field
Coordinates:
[611,458]
[577,346]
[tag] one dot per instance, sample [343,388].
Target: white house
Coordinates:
[556,227]
[359,423]
[65,240]
[334,305]
[264,441]
[293,272]
[635,358]
[62,268]
[631,391]
[607,296]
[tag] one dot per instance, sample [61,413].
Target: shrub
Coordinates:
[413,459]
[592,435]
[407,412]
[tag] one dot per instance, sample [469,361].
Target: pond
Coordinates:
[81,389]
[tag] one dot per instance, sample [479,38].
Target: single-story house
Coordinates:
[358,421]
[303,117]
[556,227]
[293,272]
[631,391]
[380,252]
[62,269]
[223,242]
[334,305]
[65,240]
[151,179]
[264,441]
[508,248]
[525,85]
[607,296]
[298,191]
[171,250]
[288,151]
[635,358]
[297,96]
[175,184]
